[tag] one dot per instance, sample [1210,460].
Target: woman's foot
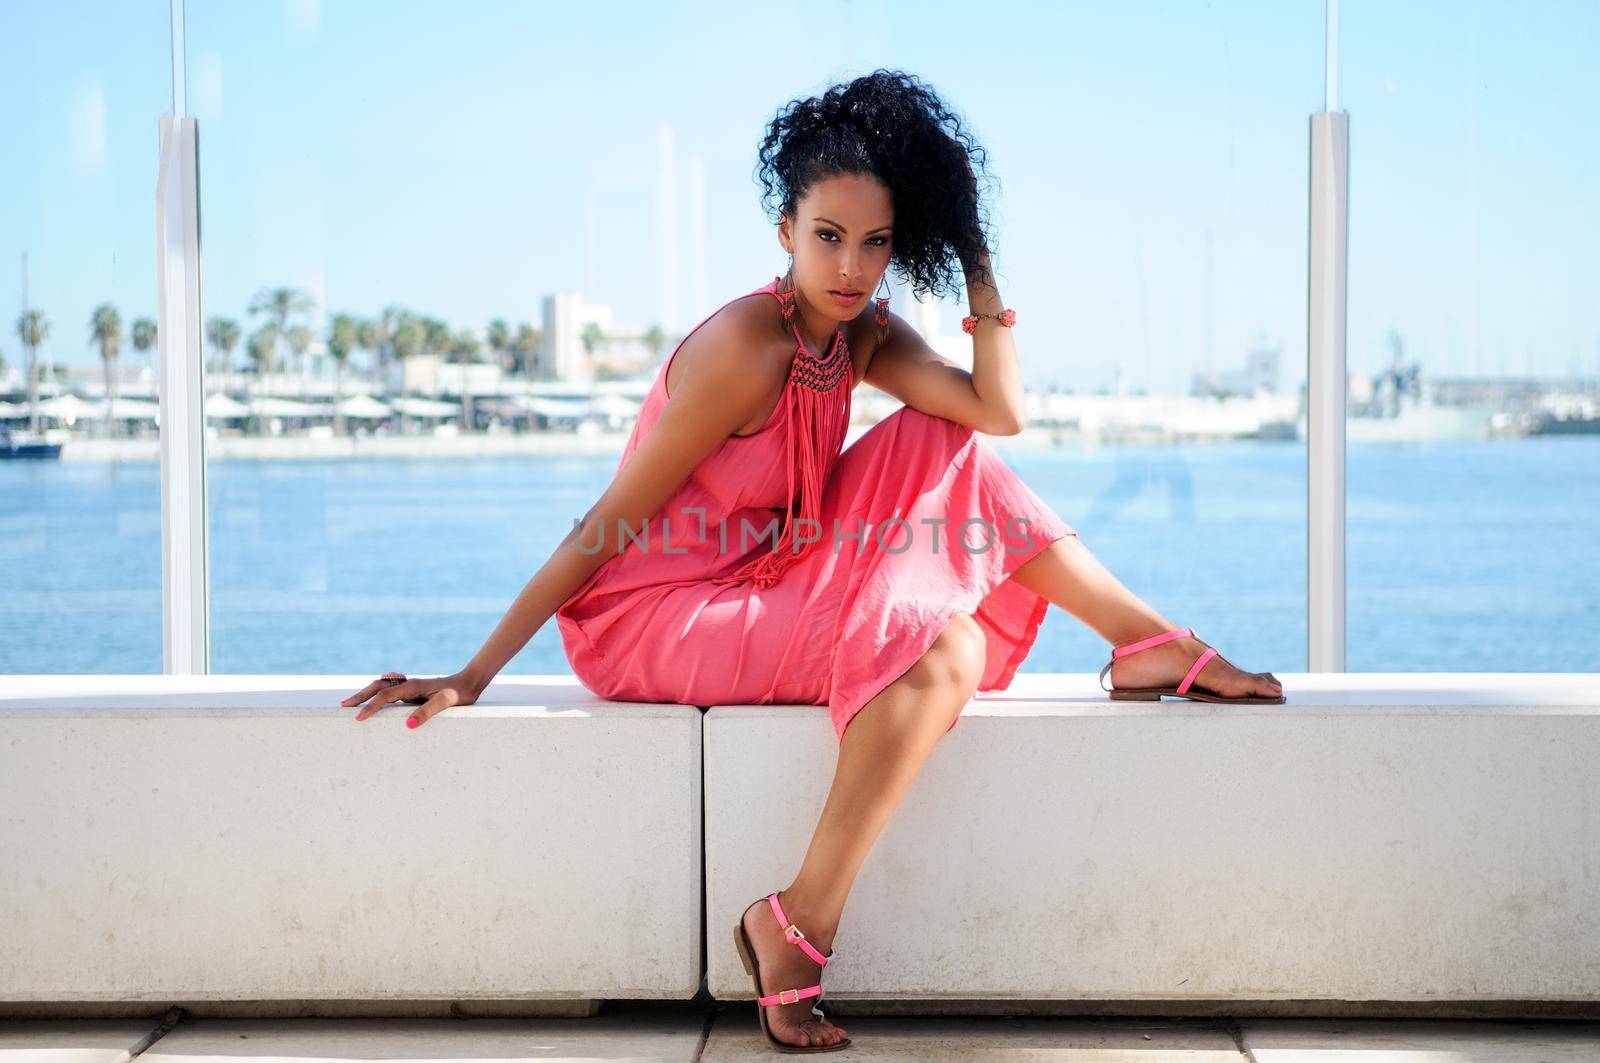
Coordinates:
[1166,665]
[784,965]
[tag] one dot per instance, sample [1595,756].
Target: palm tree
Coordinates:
[373,337]
[389,321]
[105,331]
[464,347]
[343,333]
[143,334]
[223,335]
[654,340]
[299,340]
[590,337]
[279,305]
[406,341]
[436,335]
[526,344]
[33,328]
[497,337]
[261,349]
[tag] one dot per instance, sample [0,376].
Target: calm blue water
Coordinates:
[1472,556]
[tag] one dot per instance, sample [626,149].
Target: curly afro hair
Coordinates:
[892,126]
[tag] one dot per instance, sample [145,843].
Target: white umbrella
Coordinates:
[426,407]
[364,406]
[270,407]
[614,406]
[555,407]
[223,408]
[69,407]
[136,410]
[522,404]
[47,386]
[549,388]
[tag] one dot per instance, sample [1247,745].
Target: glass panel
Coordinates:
[1154,160]
[80,485]
[1474,437]
[388,182]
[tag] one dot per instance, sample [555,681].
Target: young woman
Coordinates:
[741,555]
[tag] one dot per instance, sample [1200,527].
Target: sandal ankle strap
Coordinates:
[792,934]
[1153,640]
[1156,640]
[789,996]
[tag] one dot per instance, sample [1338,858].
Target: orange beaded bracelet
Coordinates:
[1005,317]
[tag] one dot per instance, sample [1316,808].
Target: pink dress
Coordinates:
[784,570]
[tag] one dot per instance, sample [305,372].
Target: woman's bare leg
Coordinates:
[1071,577]
[882,751]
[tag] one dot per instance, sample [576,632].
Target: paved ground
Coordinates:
[729,1032]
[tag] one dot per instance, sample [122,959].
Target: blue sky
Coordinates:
[463,160]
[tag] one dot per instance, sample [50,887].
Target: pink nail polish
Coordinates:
[411,721]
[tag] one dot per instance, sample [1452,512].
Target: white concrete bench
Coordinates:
[241,838]
[1398,837]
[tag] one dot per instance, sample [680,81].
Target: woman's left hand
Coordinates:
[435,694]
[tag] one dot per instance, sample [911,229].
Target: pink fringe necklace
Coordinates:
[819,417]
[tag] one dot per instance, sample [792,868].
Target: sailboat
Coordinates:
[27,445]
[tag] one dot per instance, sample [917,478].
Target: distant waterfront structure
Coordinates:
[587,375]
[669,263]
[697,269]
[583,344]
[923,315]
[1260,373]
[562,353]
[678,195]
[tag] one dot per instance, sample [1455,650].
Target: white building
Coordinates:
[565,315]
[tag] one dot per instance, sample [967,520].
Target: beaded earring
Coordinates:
[785,293]
[881,315]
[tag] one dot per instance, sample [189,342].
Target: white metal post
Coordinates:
[1325,376]
[180,344]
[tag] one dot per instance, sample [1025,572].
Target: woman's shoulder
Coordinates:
[743,336]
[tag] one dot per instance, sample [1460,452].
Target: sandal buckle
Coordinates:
[793,933]
[785,998]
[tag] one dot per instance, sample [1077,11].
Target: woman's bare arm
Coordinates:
[726,384]
[989,398]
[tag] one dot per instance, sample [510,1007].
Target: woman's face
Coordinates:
[840,239]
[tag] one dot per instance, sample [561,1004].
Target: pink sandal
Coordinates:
[1183,689]
[747,954]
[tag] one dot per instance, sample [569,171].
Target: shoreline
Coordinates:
[563,444]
